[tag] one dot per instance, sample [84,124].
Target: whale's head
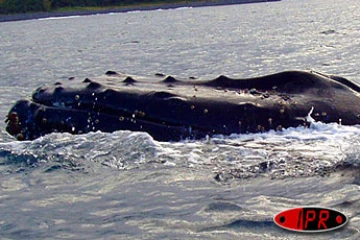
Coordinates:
[172,109]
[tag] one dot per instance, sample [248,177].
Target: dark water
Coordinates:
[125,185]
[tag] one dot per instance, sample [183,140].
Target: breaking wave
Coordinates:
[300,151]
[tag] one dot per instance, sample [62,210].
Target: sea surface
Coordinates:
[125,185]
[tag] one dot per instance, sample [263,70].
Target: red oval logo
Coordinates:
[310,219]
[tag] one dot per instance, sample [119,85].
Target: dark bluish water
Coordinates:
[125,185]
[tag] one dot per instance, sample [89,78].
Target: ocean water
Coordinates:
[125,185]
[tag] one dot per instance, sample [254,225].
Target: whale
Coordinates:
[173,109]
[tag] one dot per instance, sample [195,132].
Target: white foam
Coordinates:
[182,8]
[58,18]
[290,152]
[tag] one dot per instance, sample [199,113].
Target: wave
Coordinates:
[294,152]
[59,18]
